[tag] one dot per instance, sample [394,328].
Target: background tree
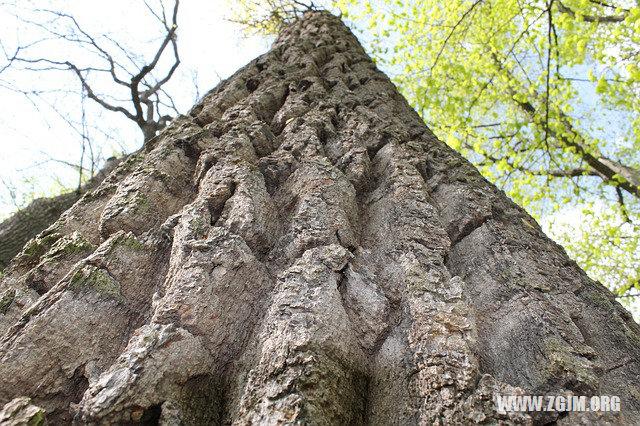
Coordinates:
[47,118]
[137,89]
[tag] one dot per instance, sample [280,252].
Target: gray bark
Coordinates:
[302,249]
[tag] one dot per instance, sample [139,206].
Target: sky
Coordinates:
[35,140]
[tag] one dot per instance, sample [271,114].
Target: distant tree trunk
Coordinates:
[28,222]
[302,249]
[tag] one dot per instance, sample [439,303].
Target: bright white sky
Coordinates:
[29,138]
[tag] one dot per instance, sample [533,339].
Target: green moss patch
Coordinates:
[129,240]
[38,246]
[573,361]
[69,245]
[97,280]
[6,300]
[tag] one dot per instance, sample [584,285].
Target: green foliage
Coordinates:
[602,245]
[542,96]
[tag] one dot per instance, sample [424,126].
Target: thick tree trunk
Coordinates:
[302,249]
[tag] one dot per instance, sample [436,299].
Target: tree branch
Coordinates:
[592,18]
[137,97]
[145,92]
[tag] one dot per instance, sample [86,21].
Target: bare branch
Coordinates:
[93,96]
[171,36]
[146,93]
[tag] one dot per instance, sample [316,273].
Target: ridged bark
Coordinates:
[302,249]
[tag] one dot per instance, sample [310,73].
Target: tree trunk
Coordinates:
[302,249]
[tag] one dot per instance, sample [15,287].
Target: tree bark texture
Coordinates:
[301,249]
